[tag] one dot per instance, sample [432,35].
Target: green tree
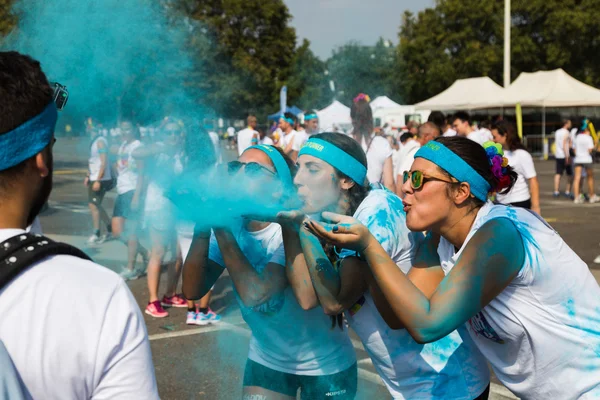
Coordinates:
[355,68]
[464,38]
[251,53]
[308,85]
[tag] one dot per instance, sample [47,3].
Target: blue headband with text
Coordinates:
[308,117]
[337,158]
[450,162]
[282,168]
[27,139]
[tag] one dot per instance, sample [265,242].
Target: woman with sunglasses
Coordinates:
[290,348]
[163,161]
[530,303]
[332,177]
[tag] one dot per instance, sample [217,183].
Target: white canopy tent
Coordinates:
[383,102]
[549,89]
[466,94]
[335,115]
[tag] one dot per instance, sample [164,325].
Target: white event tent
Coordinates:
[335,115]
[383,102]
[466,94]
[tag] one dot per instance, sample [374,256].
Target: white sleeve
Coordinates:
[386,149]
[299,140]
[527,164]
[278,257]
[590,142]
[123,365]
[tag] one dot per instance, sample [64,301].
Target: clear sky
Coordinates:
[330,23]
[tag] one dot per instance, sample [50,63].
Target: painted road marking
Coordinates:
[70,171]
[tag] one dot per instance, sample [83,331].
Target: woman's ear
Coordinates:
[461,193]
[347,183]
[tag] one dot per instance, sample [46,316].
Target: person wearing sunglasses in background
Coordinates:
[530,303]
[290,348]
[163,161]
[332,177]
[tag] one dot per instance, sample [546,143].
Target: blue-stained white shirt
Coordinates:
[450,368]
[541,334]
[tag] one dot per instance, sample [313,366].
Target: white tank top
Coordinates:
[450,368]
[542,333]
[95,163]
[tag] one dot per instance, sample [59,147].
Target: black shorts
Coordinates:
[562,166]
[97,197]
[123,206]
[311,387]
[523,204]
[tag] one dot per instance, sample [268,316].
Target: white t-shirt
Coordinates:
[451,365]
[377,153]
[285,337]
[298,139]
[541,334]
[268,141]
[583,144]
[481,136]
[214,137]
[559,139]
[406,156]
[95,163]
[127,167]
[244,139]
[93,348]
[449,133]
[522,163]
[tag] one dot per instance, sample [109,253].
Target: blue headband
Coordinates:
[446,159]
[27,139]
[337,158]
[288,120]
[311,116]
[283,171]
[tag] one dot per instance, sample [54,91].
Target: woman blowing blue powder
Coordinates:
[529,302]
[332,177]
[290,348]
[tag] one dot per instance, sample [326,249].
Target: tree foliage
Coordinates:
[464,38]
[363,69]
[308,85]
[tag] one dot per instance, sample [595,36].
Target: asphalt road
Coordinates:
[208,362]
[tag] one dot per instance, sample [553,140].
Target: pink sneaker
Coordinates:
[174,301]
[155,309]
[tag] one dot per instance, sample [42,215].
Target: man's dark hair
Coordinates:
[463,116]
[438,118]
[24,93]
[24,90]
[290,116]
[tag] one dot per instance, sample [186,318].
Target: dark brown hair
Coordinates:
[509,131]
[362,119]
[475,155]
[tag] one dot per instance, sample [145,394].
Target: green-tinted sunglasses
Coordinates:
[418,179]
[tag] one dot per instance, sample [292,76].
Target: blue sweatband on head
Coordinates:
[28,139]
[288,120]
[335,157]
[450,162]
[311,116]
[283,171]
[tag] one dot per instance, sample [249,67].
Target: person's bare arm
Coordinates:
[388,175]
[199,272]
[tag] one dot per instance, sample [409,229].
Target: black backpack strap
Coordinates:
[20,252]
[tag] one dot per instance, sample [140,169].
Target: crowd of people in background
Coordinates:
[427,242]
